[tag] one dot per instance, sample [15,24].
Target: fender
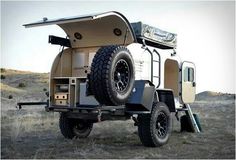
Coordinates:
[167,96]
[144,94]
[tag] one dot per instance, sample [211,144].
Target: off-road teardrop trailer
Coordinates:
[111,69]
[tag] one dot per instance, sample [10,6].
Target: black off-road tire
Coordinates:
[149,126]
[74,128]
[112,75]
[185,123]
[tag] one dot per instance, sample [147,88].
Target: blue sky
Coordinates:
[206,33]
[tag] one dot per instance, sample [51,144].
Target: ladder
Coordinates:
[157,64]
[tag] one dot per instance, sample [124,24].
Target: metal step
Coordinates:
[181,109]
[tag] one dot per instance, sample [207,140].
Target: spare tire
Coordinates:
[112,75]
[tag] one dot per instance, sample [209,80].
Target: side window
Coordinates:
[188,74]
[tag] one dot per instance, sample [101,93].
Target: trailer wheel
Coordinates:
[74,128]
[154,129]
[185,123]
[112,75]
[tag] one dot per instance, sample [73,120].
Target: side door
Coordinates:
[188,88]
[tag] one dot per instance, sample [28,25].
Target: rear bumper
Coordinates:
[57,108]
[92,112]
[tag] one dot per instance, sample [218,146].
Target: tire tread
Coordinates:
[146,135]
[66,126]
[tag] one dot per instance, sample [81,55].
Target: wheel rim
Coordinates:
[161,125]
[80,128]
[121,75]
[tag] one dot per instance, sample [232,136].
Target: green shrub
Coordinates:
[10,97]
[3,70]
[21,85]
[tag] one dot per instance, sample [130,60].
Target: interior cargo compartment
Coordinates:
[65,91]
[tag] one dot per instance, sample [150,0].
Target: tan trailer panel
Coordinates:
[94,30]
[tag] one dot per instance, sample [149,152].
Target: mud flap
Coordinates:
[194,124]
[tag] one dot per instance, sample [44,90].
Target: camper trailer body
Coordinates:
[111,69]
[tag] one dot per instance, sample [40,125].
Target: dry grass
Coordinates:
[7,88]
[34,133]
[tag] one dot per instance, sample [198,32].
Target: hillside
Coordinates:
[24,84]
[20,82]
[211,96]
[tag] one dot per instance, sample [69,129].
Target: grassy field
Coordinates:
[34,133]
